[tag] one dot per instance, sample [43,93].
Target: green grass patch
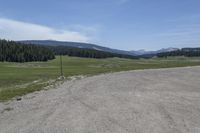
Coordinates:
[7,94]
[17,79]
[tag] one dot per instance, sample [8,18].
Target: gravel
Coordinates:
[141,101]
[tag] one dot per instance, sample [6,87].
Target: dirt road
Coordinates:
[142,101]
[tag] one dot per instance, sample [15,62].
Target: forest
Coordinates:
[188,52]
[85,52]
[12,51]
[16,52]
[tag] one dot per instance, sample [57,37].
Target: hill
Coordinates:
[77,45]
[142,53]
[19,52]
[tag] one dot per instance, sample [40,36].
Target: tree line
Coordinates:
[84,52]
[188,52]
[16,52]
[12,51]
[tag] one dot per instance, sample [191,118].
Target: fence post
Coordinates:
[61,67]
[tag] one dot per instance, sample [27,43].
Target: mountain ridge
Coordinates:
[97,47]
[76,44]
[144,52]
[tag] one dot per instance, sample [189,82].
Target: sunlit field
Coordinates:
[20,78]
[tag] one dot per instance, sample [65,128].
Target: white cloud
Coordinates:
[17,30]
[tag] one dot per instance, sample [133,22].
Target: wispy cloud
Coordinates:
[17,30]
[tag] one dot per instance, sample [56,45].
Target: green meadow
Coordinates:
[17,79]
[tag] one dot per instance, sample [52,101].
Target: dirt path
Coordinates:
[142,101]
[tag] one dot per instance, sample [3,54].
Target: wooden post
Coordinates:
[61,67]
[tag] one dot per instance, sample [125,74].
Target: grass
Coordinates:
[9,93]
[17,79]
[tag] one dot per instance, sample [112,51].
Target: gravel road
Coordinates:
[141,101]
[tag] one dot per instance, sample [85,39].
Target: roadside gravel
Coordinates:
[141,101]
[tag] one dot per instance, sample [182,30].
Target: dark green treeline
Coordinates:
[16,52]
[83,52]
[12,51]
[188,52]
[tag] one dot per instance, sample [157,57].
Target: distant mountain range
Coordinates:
[144,52]
[96,47]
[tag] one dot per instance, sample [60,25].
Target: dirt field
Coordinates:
[141,101]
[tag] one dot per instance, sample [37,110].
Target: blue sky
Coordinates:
[121,24]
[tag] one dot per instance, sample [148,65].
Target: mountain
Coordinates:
[78,45]
[144,52]
[167,50]
[97,47]
[139,52]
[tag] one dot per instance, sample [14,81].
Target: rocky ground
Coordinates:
[141,101]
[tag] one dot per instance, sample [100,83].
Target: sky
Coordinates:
[120,24]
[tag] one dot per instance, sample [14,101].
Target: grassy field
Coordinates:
[17,79]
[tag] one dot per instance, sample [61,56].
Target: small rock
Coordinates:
[18,98]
